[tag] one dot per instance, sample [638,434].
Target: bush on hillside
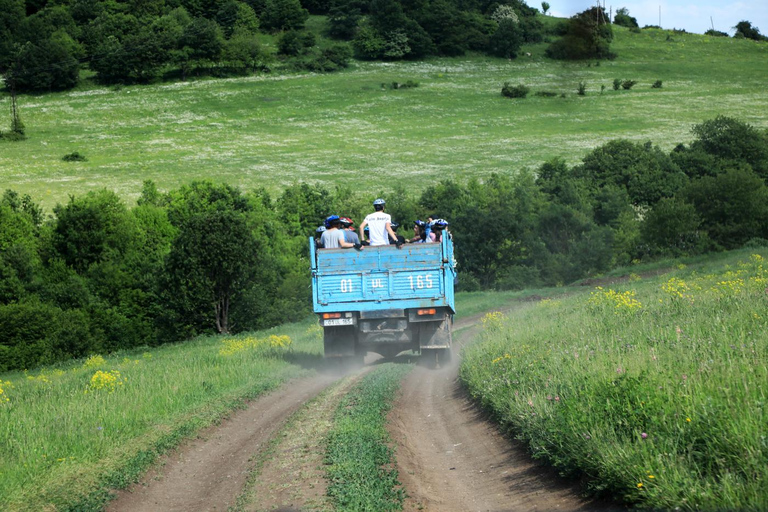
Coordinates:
[623,19]
[295,42]
[733,206]
[628,84]
[732,142]
[506,41]
[744,29]
[332,58]
[673,228]
[588,36]
[647,173]
[74,157]
[514,91]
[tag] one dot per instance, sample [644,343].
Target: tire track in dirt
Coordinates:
[290,475]
[450,458]
[208,473]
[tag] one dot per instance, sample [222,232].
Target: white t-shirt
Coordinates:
[377,227]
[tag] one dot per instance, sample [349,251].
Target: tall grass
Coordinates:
[69,433]
[655,390]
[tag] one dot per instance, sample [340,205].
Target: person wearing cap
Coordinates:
[419,235]
[333,237]
[318,234]
[438,228]
[379,225]
[348,227]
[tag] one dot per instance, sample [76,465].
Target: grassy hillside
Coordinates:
[273,129]
[65,438]
[651,389]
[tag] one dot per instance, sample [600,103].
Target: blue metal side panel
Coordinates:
[418,275]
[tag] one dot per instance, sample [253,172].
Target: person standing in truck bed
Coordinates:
[333,237]
[349,231]
[379,225]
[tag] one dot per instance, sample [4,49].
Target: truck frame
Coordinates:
[385,299]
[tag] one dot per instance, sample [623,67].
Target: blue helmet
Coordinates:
[320,229]
[420,223]
[379,202]
[330,220]
[440,223]
[394,226]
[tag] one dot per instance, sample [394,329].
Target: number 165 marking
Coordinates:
[422,281]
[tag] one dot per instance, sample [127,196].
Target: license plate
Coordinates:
[339,321]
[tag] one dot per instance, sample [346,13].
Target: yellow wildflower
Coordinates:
[105,381]
[95,361]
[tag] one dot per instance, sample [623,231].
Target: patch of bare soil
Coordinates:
[208,473]
[451,458]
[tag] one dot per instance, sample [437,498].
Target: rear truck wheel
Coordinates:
[436,357]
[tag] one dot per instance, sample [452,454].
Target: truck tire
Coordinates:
[436,357]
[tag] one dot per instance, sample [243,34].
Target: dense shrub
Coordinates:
[74,157]
[656,84]
[628,84]
[283,15]
[400,85]
[506,41]
[745,29]
[294,42]
[732,205]
[673,228]
[587,36]
[622,18]
[732,142]
[514,91]
[44,66]
[643,170]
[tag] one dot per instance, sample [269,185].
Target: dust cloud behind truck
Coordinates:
[384,299]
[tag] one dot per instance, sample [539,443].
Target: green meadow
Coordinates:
[274,129]
[650,389]
[71,432]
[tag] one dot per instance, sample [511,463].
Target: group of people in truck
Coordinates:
[377,229]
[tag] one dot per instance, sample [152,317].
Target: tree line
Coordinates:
[44,45]
[97,276]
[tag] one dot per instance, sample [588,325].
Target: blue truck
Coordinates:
[384,299]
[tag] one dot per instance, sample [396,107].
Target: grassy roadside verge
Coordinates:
[654,389]
[70,433]
[360,469]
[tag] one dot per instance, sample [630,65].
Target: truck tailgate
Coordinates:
[414,276]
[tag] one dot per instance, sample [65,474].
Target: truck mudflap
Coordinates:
[436,334]
[340,341]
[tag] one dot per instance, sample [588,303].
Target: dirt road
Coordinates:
[450,458]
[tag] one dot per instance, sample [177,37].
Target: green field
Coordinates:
[272,130]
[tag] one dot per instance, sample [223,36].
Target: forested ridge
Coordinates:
[98,276]
[45,45]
